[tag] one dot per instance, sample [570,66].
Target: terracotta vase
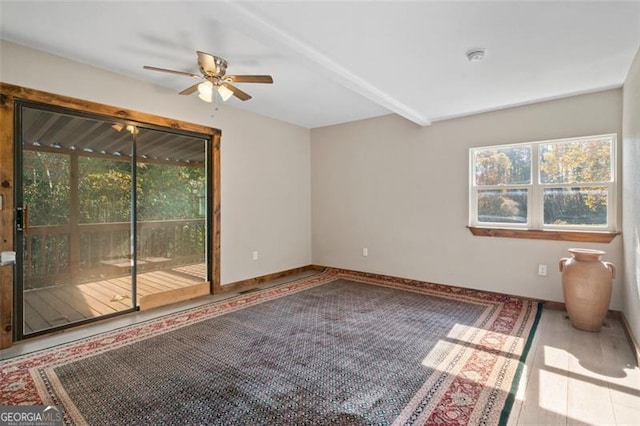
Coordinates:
[586,285]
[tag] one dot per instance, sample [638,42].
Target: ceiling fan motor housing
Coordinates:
[220,68]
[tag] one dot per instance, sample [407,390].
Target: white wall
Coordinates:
[265,172]
[631,197]
[402,192]
[384,183]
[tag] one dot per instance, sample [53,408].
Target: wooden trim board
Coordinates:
[560,306]
[6,218]
[556,306]
[169,297]
[23,93]
[321,267]
[635,347]
[8,95]
[535,234]
[215,220]
[239,285]
[178,295]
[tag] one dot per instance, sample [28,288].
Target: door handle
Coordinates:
[26,219]
[22,219]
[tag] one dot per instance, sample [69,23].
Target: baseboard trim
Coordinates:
[250,282]
[557,306]
[560,306]
[635,348]
[546,304]
[554,306]
[321,267]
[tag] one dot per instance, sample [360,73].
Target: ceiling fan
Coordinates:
[214,69]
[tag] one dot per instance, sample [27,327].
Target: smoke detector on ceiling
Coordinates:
[476,55]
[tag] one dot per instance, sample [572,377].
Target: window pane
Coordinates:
[576,161]
[509,165]
[575,206]
[104,190]
[171,191]
[502,206]
[45,187]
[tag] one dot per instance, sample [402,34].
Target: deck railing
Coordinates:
[58,254]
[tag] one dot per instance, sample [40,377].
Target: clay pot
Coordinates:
[586,285]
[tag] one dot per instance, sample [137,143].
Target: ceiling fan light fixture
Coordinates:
[224,92]
[132,129]
[214,76]
[205,91]
[476,55]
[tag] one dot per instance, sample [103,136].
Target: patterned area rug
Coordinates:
[339,347]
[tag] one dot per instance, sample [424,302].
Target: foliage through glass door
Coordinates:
[79,210]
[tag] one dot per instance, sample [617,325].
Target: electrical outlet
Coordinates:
[255,255]
[542,270]
[365,252]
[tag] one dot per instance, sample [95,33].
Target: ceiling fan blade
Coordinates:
[189,90]
[249,79]
[237,92]
[147,67]
[206,62]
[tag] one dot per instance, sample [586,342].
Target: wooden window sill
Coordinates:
[534,234]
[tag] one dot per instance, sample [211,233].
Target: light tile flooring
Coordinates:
[571,377]
[575,377]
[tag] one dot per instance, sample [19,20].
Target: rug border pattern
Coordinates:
[444,398]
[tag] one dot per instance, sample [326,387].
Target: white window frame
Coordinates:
[535,190]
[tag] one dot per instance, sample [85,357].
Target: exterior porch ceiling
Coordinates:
[56,132]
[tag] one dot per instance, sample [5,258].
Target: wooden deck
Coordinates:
[49,307]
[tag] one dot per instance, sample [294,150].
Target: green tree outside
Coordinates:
[580,163]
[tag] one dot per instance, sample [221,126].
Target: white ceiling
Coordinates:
[341,61]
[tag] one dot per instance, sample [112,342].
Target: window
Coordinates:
[564,185]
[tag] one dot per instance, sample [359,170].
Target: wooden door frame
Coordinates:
[9,94]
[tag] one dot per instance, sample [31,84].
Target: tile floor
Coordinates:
[575,377]
[571,377]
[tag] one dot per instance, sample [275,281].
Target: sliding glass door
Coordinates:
[171,211]
[108,212]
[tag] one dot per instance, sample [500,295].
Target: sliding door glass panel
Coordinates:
[104,213]
[171,211]
[74,186]
[45,239]
[111,212]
